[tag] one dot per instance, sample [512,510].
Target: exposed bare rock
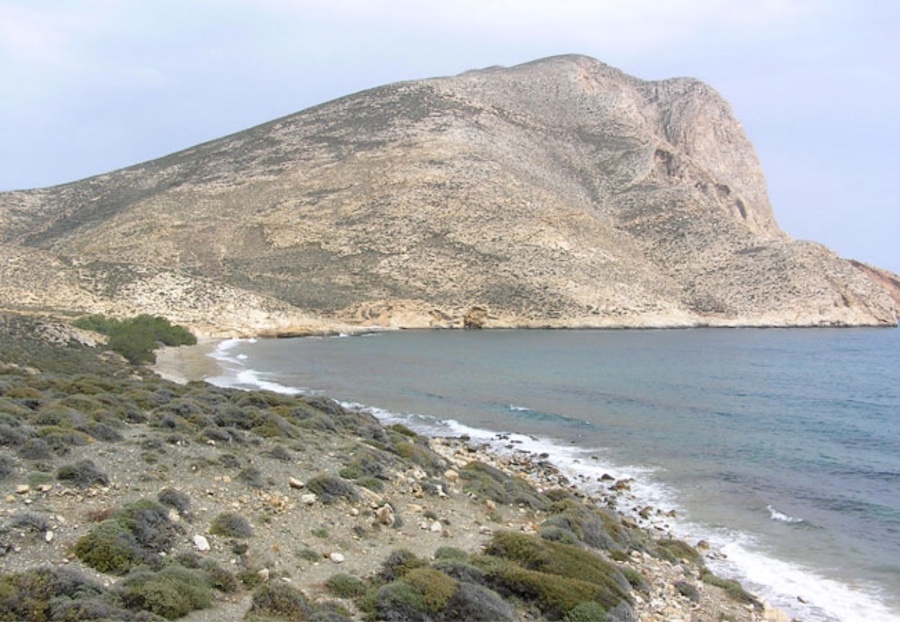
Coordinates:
[561,192]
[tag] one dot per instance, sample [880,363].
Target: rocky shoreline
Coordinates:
[253,499]
[664,603]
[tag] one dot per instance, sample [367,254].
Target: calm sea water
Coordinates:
[780,447]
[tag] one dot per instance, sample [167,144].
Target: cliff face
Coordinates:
[557,193]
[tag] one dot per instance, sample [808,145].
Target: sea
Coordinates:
[779,447]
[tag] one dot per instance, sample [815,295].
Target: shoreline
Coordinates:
[178,365]
[183,364]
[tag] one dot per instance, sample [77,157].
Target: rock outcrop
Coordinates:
[561,192]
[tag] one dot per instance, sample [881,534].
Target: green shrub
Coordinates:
[588,611]
[450,552]
[307,554]
[398,563]
[422,594]
[345,586]
[492,483]
[110,547]
[676,550]
[330,488]
[83,474]
[732,588]
[47,593]
[135,534]
[218,577]
[175,499]
[231,525]
[279,600]
[137,337]
[172,592]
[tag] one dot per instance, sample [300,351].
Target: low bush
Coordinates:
[171,592]
[345,586]
[175,499]
[253,477]
[676,550]
[29,521]
[492,483]
[7,467]
[588,611]
[732,588]
[231,525]
[279,600]
[52,594]
[83,474]
[110,548]
[330,488]
[398,563]
[133,535]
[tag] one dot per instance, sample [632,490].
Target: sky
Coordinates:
[90,86]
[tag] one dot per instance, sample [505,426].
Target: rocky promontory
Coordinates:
[560,193]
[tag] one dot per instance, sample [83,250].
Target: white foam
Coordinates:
[784,584]
[781,516]
[515,408]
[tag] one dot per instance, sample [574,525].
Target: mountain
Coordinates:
[560,192]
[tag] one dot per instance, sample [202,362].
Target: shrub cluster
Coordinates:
[135,534]
[136,338]
[231,525]
[490,482]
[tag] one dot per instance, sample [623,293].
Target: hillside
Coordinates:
[561,192]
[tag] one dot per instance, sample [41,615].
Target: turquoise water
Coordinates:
[781,447]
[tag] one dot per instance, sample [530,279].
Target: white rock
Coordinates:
[48,537]
[337,558]
[385,515]
[436,526]
[309,498]
[201,543]
[296,483]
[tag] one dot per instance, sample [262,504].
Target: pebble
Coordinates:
[295,483]
[22,489]
[337,558]
[201,543]
[48,537]
[308,499]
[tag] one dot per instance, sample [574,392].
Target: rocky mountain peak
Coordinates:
[561,192]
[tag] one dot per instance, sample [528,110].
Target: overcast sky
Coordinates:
[88,86]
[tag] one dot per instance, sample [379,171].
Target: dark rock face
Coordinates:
[561,192]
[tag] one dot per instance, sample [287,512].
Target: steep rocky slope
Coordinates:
[556,193]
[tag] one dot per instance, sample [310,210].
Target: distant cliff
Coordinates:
[561,192]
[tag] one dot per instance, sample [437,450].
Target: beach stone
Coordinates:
[295,483]
[337,558]
[48,537]
[201,543]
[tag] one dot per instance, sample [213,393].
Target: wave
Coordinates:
[538,415]
[798,590]
[782,517]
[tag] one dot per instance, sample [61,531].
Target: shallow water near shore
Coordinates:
[780,447]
